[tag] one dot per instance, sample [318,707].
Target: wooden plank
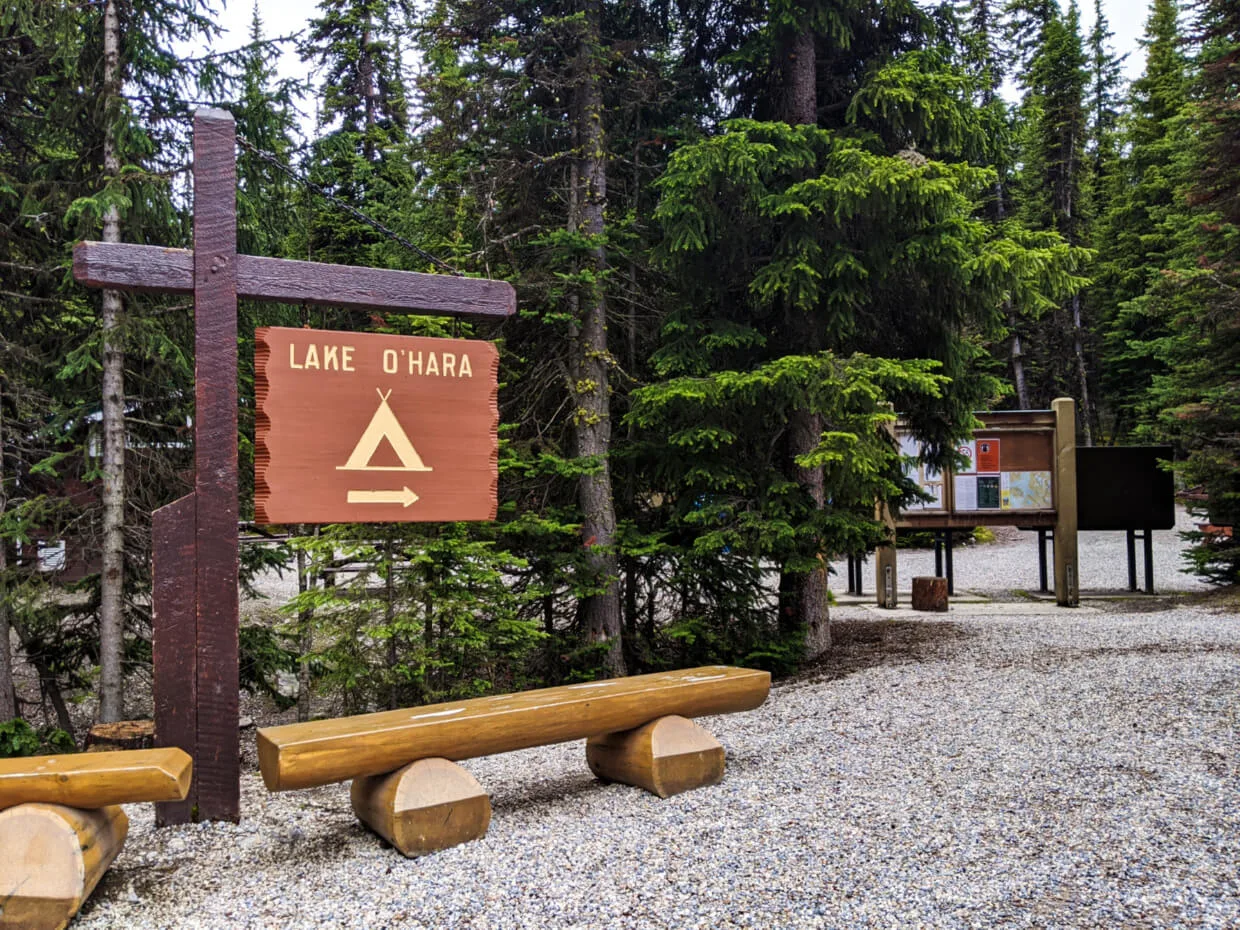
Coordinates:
[217,763]
[966,520]
[128,267]
[366,428]
[53,858]
[302,755]
[95,779]
[174,640]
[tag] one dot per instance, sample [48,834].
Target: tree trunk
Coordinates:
[590,362]
[1087,408]
[8,698]
[305,635]
[112,581]
[805,427]
[1018,363]
[389,616]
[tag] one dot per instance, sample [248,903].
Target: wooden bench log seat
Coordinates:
[408,789]
[61,825]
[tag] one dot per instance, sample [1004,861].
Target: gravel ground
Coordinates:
[1030,768]
[1011,564]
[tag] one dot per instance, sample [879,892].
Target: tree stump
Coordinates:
[930,593]
[125,734]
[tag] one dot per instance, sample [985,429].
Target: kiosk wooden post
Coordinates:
[886,579]
[1067,569]
[195,597]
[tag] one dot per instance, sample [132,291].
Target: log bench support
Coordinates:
[425,806]
[61,825]
[53,858]
[666,756]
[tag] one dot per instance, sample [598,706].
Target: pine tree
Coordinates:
[92,159]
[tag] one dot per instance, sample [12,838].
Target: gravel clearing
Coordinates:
[1057,768]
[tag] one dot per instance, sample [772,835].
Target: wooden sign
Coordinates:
[194,609]
[369,428]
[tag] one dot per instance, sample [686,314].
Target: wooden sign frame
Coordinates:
[195,609]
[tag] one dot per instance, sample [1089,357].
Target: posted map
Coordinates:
[1027,490]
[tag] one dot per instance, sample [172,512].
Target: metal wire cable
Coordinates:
[352,211]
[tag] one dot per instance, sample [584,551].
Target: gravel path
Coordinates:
[1064,768]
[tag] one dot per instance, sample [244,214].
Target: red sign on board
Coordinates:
[368,428]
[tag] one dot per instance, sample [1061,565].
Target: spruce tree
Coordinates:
[1052,196]
[1138,233]
[1197,399]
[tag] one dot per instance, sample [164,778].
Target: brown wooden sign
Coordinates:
[368,428]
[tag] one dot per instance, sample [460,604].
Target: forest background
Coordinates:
[742,233]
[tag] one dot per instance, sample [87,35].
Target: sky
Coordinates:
[282,17]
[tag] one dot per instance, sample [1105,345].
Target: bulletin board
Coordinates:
[1007,476]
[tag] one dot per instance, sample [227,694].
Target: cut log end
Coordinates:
[930,593]
[125,734]
[53,858]
[425,806]
[666,757]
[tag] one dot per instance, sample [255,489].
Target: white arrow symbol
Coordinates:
[403,496]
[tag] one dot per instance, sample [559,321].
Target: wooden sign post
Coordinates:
[194,539]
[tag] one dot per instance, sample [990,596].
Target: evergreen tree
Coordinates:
[1195,302]
[857,236]
[88,159]
[1052,196]
[1139,230]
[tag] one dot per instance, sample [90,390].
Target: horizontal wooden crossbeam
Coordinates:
[319,752]
[127,267]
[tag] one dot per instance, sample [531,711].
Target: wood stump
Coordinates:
[53,856]
[667,756]
[125,734]
[425,806]
[929,593]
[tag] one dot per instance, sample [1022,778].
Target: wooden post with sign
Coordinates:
[194,597]
[1067,568]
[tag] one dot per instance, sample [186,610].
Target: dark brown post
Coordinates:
[217,763]
[174,640]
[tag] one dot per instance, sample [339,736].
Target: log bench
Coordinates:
[408,788]
[61,825]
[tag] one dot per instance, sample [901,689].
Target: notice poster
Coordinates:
[989,495]
[926,477]
[966,492]
[987,455]
[967,451]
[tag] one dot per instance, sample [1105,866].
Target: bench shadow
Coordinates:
[860,644]
[544,792]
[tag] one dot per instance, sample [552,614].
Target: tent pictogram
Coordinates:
[384,425]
